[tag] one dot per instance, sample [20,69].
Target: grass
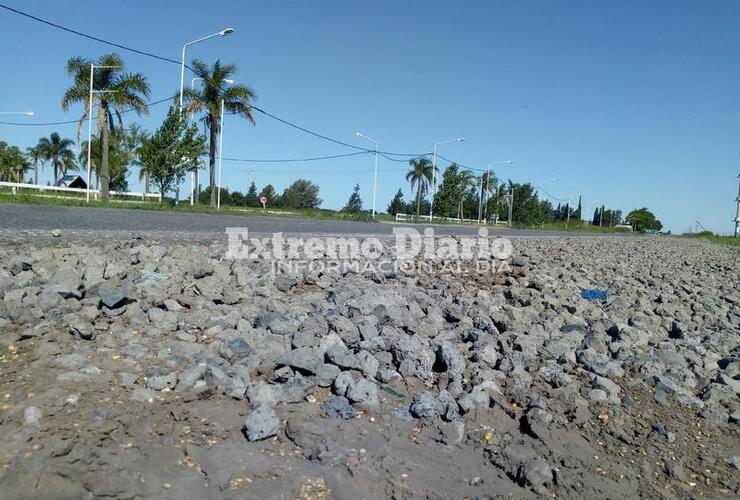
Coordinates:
[576,226]
[75,200]
[715,238]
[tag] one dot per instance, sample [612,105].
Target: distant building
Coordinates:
[71,181]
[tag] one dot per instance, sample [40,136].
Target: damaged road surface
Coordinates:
[157,368]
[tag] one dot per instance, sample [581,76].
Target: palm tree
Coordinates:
[131,144]
[116,160]
[465,180]
[13,163]
[58,151]
[114,91]
[420,176]
[237,99]
[36,155]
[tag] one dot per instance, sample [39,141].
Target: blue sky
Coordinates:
[629,102]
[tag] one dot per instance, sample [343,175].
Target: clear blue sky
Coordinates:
[630,102]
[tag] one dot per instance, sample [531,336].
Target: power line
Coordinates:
[75,32]
[291,160]
[47,124]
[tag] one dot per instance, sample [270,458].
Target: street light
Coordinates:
[89,123]
[224,32]
[488,180]
[434,174]
[25,113]
[375,174]
[220,147]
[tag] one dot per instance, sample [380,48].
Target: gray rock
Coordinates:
[304,359]
[338,407]
[661,431]
[284,282]
[426,406]
[32,415]
[261,423]
[189,377]
[342,383]
[263,393]
[364,393]
[67,283]
[341,356]
[326,374]
[367,364]
[143,395]
[451,358]
[112,293]
[296,389]
[236,349]
[158,380]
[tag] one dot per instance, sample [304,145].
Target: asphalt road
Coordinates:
[46,217]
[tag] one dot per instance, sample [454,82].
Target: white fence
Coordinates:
[93,192]
[411,217]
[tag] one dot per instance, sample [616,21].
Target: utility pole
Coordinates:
[737,209]
[511,204]
[601,216]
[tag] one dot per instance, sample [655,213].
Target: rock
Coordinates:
[338,407]
[67,283]
[32,415]
[326,374]
[159,380]
[284,282]
[143,395]
[261,423]
[189,377]
[236,349]
[487,355]
[426,406]
[661,431]
[367,364]
[276,323]
[364,393]
[450,357]
[79,326]
[342,383]
[537,474]
[56,233]
[296,389]
[112,293]
[341,356]
[263,393]
[303,359]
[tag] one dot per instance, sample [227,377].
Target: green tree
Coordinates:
[272,197]
[117,170]
[420,176]
[643,220]
[354,204]
[36,156]
[131,144]
[59,153]
[397,204]
[527,209]
[251,199]
[447,199]
[115,92]
[167,156]
[13,163]
[301,194]
[237,99]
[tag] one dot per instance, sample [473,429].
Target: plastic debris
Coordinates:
[594,294]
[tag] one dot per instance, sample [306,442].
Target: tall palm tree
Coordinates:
[36,155]
[115,92]
[206,100]
[420,176]
[59,152]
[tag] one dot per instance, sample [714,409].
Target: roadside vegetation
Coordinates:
[714,238]
[167,156]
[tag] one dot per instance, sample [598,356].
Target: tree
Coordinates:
[302,194]
[131,144]
[397,205]
[354,204]
[114,91]
[117,170]
[59,152]
[467,182]
[251,199]
[13,163]
[527,209]
[167,156]
[643,220]
[596,217]
[271,195]
[36,156]
[577,213]
[237,99]
[448,196]
[420,176]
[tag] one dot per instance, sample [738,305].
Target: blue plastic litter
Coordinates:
[594,294]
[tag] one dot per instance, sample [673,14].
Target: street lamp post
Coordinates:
[89,124]
[25,113]
[224,32]
[434,175]
[375,174]
[194,172]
